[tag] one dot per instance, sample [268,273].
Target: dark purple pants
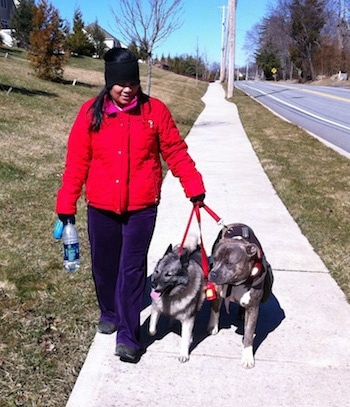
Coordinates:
[119,247]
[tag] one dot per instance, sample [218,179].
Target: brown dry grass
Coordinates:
[48,317]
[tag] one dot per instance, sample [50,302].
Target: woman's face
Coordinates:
[123,93]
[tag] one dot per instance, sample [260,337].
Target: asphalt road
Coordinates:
[321,110]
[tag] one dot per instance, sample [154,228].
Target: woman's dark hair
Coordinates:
[119,55]
[114,55]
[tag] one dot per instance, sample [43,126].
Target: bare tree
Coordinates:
[307,21]
[306,35]
[146,23]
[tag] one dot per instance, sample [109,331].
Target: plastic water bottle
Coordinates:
[70,238]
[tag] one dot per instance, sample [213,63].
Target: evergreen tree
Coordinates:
[267,59]
[22,22]
[47,40]
[78,42]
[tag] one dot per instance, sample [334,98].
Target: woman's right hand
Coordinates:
[64,218]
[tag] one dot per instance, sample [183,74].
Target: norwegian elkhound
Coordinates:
[178,290]
[242,275]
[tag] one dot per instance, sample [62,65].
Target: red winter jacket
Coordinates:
[120,164]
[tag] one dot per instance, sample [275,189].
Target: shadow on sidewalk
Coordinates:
[270,317]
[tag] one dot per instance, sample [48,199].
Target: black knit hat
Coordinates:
[121,66]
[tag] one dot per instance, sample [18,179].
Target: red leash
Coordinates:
[205,262]
[210,288]
[186,231]
[216,217]
[195,209]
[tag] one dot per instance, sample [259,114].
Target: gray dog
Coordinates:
[178,290]
[242,275]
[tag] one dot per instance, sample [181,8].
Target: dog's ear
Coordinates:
[185,258]
[252,249]
[169,249]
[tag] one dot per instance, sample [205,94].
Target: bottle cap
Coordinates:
[58,229]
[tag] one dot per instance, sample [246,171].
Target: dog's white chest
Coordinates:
[237,296]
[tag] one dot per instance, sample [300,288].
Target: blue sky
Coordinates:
[202,24]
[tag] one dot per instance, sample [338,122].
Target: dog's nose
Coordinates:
[153,284]
[213,275]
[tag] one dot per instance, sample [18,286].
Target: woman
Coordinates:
[114,148]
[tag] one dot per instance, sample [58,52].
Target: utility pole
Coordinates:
[231,55]
[223,46]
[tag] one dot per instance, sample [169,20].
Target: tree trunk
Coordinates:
[149,74]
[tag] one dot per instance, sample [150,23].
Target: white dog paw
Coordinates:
[247,360]
[245,300]
[183,358]
[213,330]
[152,330]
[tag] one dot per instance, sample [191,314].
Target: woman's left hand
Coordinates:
[198,199]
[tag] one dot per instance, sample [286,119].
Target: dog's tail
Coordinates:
[191,242]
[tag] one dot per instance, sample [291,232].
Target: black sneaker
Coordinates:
[105,327]
[126,353]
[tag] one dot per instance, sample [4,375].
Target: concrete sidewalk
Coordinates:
[303,333]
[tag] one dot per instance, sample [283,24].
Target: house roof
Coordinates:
[105,33]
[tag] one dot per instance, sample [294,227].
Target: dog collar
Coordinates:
[255,273]
[256,270]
